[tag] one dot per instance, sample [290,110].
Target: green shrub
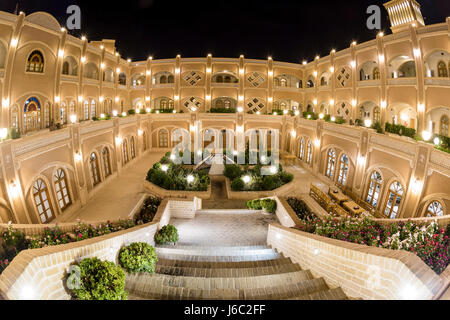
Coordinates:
[339,120]
[254,204]
[377,126]
[269,205]
[131,111]
[98,280]
[237,184]
[268,183]
[158,177]
[222,110]
[138,257]
[13,133]
[148,210]
[286,177]
[232,171]
[358,122]
[167,234]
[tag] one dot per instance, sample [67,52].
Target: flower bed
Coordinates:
[171,176]
[244,178]
[427,241]
[14,241]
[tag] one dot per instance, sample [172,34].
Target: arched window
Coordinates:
[309,152]
[343,170]
[123,79]
[86,110]
[95,172]
[219,104]
[170,79]
[276,82]
[227,79]
[170,104]
[361,112]
[163,79]
[376,115]
[323,81]
[163,138]
[302,149]
[65,68]
[35,62]
[163,104]
[374,189]
[15,118]
[47,115]
[72,107]
[442,69]
[394,199]
[283,82]
[32,114]
[376,73]
[443,127]
[132,148]
[63,112]
[125,151]
[106,162]
[219,79]
[331,163]
[144,141]
[435,209]
[62,194]
[227,104]
[42,201]
[92,108]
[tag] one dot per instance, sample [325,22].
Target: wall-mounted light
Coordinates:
[208,70]
[147,99]
[421,107]
[270,99]
[14,189]
[304,62]
[63,29]
[317,142]
[353,43]
[367,123]
[3,133]
[128,60]
[285,111]
[148,110]
[102,116]
[83,59]
[241,98]
[315,73]
[208,97]
[78,156]
[14,42]
[102,65]
[117,70]
[383,104]
[5,102]
[361,160]
[270,73]
[333,50]
[353,63]
[317,57]
[57,99]
[83,38]
[416,186]
[293,133]
[333,118]
[297,112]
[380,58]
[331,69]
[258,112]
[241,71]
[332,102]
[115,113]
[177,70]
[73,118]
[315,101]
[381,34]
[116,99]
[176,98]
[140,132]
[321,116]
[416,52]
[118,140]
[101,98]
[240,109]
[102,47]
[437,141]
[61,53]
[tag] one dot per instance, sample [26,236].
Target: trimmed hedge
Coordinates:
[93,279]
[268,205]
[138,257]
[167,234]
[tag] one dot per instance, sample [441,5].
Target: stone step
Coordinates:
[221,265]
[209,249]
[226,272]
[158,280]
[301,285]
[226,211]
[331,294]
[219,258]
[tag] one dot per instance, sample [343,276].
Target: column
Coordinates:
[176,96]
[208,82]
[269,84]
[241,92]
[383,78]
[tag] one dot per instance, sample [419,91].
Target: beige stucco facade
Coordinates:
[49,77]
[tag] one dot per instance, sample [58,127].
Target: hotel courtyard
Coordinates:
[224,178]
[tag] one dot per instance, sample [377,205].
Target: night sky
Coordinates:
[286,30]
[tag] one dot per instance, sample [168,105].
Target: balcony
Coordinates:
[439,82]
[369,83]
[402,82]
[224,85]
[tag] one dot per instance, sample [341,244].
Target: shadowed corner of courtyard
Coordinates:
[117,198]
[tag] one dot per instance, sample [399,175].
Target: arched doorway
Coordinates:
[32,114]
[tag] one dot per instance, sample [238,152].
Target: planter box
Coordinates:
[248,195]
[161,192]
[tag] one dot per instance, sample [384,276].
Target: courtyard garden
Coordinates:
[427,241]
[171,176]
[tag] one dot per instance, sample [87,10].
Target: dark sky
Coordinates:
[287,30]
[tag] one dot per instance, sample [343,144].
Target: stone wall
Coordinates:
[288,188]
[156,190]
[40,274]
[362,271]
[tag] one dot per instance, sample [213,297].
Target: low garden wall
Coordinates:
[246,195]
[361,271]
[40,274]
[442,221]
[161,192]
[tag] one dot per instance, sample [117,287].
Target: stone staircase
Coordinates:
[251,272]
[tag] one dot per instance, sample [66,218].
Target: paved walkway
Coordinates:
[117,198]
[216,229]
